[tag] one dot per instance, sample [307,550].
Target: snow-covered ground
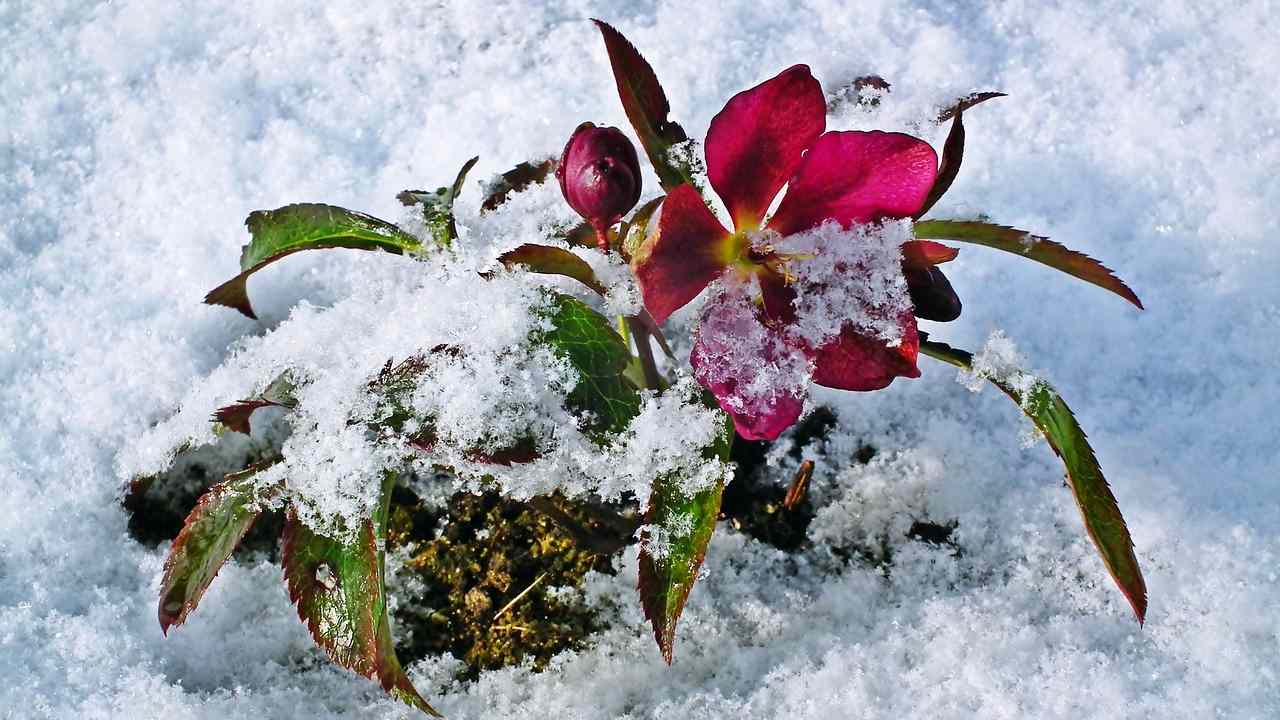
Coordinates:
[137,135]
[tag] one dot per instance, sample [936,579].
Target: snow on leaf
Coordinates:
[646,105]
[437,207]
[589,342]
[678,528]
[1098,507]
[339,588]
[967,102]
[1034,247]
[549,260]
[305,226]
[210,533]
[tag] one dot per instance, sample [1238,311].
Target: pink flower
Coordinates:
[748,352]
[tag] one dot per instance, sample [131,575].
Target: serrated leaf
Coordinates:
[339,588]
[209,534]
[949,167]
[953,149]
[516,180]
[305,226]
[1033,247]
[1098,507]
[549,260]
[589,342]
[679,527]
[645,104]
[967,102]
[437,207]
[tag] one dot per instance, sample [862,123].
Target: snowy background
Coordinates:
[137,135]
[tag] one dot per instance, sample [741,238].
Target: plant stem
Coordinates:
[644,350]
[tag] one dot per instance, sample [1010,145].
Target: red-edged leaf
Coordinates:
[339,588]
[236,415]
[953,150]
[949,167]
[645,104]
[678,528]
[517,179]
[550,260]
[210,533]
[307,226]
[1034,247]
[280,393]
[967,102]
[1098,507]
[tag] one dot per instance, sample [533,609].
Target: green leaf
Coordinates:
[1034,247]
[1098,507]
[339,586]
[305,226]
[210,533]
[671,556]
[549,260]
[437,207]
[588,341]
[646,106]
[516,180]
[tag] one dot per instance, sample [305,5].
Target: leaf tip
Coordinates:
[233,294]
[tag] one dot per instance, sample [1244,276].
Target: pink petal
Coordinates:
[756,418]
[857,177]
[856,362]
[689,250]
[754,144]
[755,376]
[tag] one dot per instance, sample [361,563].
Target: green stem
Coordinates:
[652,379]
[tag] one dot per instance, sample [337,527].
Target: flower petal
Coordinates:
[857,177]
[754,144]
[689,249]
[856,362]
[755,375]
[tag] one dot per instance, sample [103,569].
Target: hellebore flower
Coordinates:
[757,351]
[599,176]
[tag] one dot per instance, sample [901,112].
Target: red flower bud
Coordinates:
[932,294]
[599,175]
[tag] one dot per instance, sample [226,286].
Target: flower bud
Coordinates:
[932,294]
[599,176]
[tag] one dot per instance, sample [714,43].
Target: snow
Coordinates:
[138,135]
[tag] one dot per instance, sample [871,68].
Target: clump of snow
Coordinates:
[622,296]
[848,277]
[1000,361]
[757,365]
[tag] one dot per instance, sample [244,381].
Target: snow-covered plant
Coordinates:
[482,369]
